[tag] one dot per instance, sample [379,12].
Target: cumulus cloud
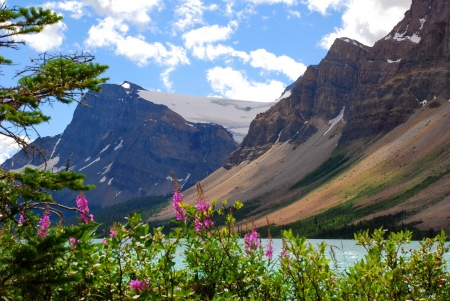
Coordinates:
[75,7]
[270,62]
[208,34]
[190,13]
[322,6]
[200,42]
[365,21]
[113,33]
[133,11]
[233,84]
[7,148]
[270,2]
[49,39]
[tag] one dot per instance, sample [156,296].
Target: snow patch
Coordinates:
[422,21]
[50,165]
[234,115]
[415,38]
[285,95]
[119,146]
[335,120]
[117,193]
[423,103]
[279,134]
[107,168]
[126,85]
[103,179]
[106,147]
[89,158]
[110,180]
[388,37]
[185,180]
[54,148]
[96,160]
[169,178]
[391,61]
[401,37]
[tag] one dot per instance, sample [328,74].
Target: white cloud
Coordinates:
[200,40]
[366,21]
[293,13]
[270,2]
[49,39]
[208,34]
[8,148]
[190,13]
[165,78]
[112,33]
[322,6]
[133,11]
[75,7]
[270,62]
[233,84]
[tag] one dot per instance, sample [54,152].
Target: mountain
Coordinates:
[364,133]
[128,141]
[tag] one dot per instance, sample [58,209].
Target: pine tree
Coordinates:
[50,78]
[32,256]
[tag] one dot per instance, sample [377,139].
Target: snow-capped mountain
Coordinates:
[128,141]
[234,115]
[367,130]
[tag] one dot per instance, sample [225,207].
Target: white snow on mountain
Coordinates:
[234,115]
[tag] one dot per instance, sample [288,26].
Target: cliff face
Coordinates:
[128,146]
[377,87]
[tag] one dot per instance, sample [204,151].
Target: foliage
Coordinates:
[134,262]
[50,78]
[32,254]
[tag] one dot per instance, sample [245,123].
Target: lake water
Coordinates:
[345,250]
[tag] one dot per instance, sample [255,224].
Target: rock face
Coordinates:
[377,88]
[128,146]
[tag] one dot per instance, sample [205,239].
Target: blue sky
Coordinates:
[247,50]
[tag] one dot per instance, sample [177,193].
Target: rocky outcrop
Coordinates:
[377,87]
[128,146]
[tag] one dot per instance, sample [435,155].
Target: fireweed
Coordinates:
[83,207]
[44,224]
[136,263]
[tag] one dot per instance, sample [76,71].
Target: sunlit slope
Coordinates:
[406,170]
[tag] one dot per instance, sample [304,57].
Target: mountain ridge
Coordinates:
[331,126]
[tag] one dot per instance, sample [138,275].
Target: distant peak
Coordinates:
[131,86]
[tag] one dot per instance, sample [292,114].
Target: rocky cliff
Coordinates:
[128,146]
[376,88]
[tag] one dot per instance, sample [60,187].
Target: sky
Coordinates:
[238,49]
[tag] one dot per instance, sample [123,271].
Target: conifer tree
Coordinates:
[49,78]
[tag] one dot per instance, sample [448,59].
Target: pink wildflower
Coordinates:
[284,254]
[73,242]
[104,241]
[112,232]
[21,220]
[180,212]
[269,250]
[44,224]
[138,286]
[203,216]
[82,205]
[251,242]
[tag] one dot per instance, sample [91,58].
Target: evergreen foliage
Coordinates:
[50,78]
